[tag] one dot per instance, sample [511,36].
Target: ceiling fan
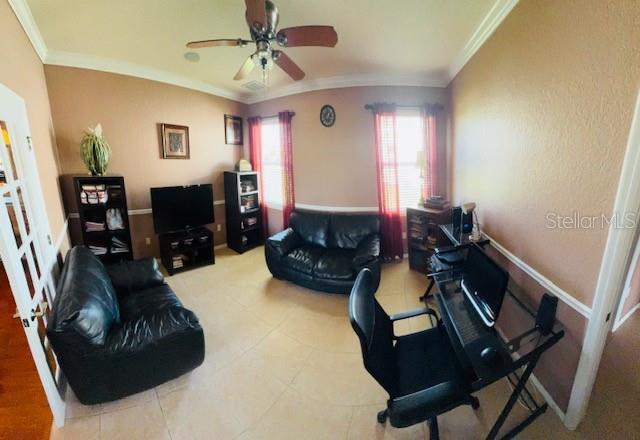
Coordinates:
[262,17]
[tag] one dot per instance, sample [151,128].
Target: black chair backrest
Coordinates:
[375,331]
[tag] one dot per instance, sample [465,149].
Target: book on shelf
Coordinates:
[94,226]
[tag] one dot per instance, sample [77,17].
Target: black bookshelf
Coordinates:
[98,197]
[185,250]
[242,206]
[424,235]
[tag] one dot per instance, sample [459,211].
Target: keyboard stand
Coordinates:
[522,351]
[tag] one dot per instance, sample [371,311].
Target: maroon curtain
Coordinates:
[255,155]
[430,172]
[384,123]
[288,193]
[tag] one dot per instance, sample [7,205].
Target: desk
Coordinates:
[458,238]
[523,351]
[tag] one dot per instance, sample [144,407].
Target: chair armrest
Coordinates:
[135,335]
[284,241]
[413,313]
[129,276]
[368,250]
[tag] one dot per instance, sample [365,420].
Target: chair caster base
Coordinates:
[382,416]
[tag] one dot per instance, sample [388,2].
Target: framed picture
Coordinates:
[175,141]
[232,130]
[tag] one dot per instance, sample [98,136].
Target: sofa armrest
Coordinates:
[284,241]
[129,276]
[368,250]
[136,335]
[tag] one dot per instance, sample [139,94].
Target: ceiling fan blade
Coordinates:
[219,42]
[323,36]
[287,64]
[256,14]
[246,69]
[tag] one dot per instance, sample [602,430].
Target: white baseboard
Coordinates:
[541,389]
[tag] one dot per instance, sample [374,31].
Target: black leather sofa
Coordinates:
[120,329]
[325,251]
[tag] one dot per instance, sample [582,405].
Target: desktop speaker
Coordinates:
[546,316]
[456,214]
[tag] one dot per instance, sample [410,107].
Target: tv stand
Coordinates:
[185,250]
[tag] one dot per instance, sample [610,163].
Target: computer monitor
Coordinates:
[484,282]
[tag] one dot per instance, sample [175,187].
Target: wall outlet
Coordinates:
[147,241]
[219,227]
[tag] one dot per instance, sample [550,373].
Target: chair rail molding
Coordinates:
[613,270]
[545,282]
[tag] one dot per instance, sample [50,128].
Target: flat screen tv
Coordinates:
[176,208]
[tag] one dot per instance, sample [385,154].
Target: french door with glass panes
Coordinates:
[26,249]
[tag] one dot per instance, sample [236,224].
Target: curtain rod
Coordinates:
[434,106]
[273,116]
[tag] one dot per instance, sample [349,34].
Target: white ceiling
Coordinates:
[411,42]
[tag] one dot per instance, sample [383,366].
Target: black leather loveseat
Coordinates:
[325,251]
[119,330]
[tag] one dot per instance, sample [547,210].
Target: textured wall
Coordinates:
[540,119]
[130,110]
[22,72]
[541,116]
[336,166]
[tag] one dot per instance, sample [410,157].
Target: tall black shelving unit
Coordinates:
[96,196]
[242,205]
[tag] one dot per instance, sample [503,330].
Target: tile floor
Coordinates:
[282,362]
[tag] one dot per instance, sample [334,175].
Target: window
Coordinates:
[272,170]
[410,146]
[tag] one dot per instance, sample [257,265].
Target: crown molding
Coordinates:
[487,27]
[338,82]
[70,59]
[489,24]
[28,23]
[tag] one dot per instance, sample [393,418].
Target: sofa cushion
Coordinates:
[131,275]
[312,227]
[304,258]
[86,300]
[347,230]
[335,264]
[147,302]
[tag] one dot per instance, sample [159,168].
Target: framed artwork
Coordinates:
[233,130]
[175,141]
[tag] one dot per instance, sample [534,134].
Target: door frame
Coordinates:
[33,200]
[617,255]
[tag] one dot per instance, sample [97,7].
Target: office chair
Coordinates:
[419,371]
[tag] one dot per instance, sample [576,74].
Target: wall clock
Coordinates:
[327,115]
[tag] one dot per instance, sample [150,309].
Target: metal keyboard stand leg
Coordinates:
[512,401]
[427,293]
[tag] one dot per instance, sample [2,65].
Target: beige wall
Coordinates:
[540,119]
[130,110]
[541,116]
[336,166]
[22,72]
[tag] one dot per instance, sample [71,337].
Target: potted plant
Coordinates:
[95,151]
